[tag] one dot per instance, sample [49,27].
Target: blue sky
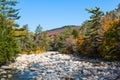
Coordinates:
[57,13]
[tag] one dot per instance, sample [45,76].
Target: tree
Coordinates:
[67,32]
[43,41]
[58,43]
[55,43]
[28,40]
[119,6]
[25,27]
[96,16]
[65,42]
[111,44]
[75,33]
[94,37]
[9,46]
[118,11]
[6,9]
[85,28]
[38,30]
[80,43]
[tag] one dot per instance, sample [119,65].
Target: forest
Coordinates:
[98,37]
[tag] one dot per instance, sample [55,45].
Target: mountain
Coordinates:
[60,30]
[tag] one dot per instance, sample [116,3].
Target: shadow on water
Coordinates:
[30,75]
[26,74]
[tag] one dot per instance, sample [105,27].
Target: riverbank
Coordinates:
[56,66]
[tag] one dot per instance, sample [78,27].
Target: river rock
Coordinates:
[33,69]
[4,76]
[6,67]
[55,66]
[84,78]
[9,75]
[2,79]
[38,78]
[1,70]
[50,71]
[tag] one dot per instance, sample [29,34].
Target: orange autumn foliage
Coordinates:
[107,22]
[80,41]
[111,48]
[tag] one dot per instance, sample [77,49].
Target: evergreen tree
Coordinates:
[55,43]
[67,32]
[93,30]
[44,41]
[118,11]
[25,27]
[61,42]
[28,41]
[119,6]
[75,33]
[95,17]
[6,9]
[9,47]
[38,30]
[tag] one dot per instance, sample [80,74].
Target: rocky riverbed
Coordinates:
[56,66]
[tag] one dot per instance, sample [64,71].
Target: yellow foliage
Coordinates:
[20,33]
[66,51]
[24,52]
[37,51]
[11,21]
